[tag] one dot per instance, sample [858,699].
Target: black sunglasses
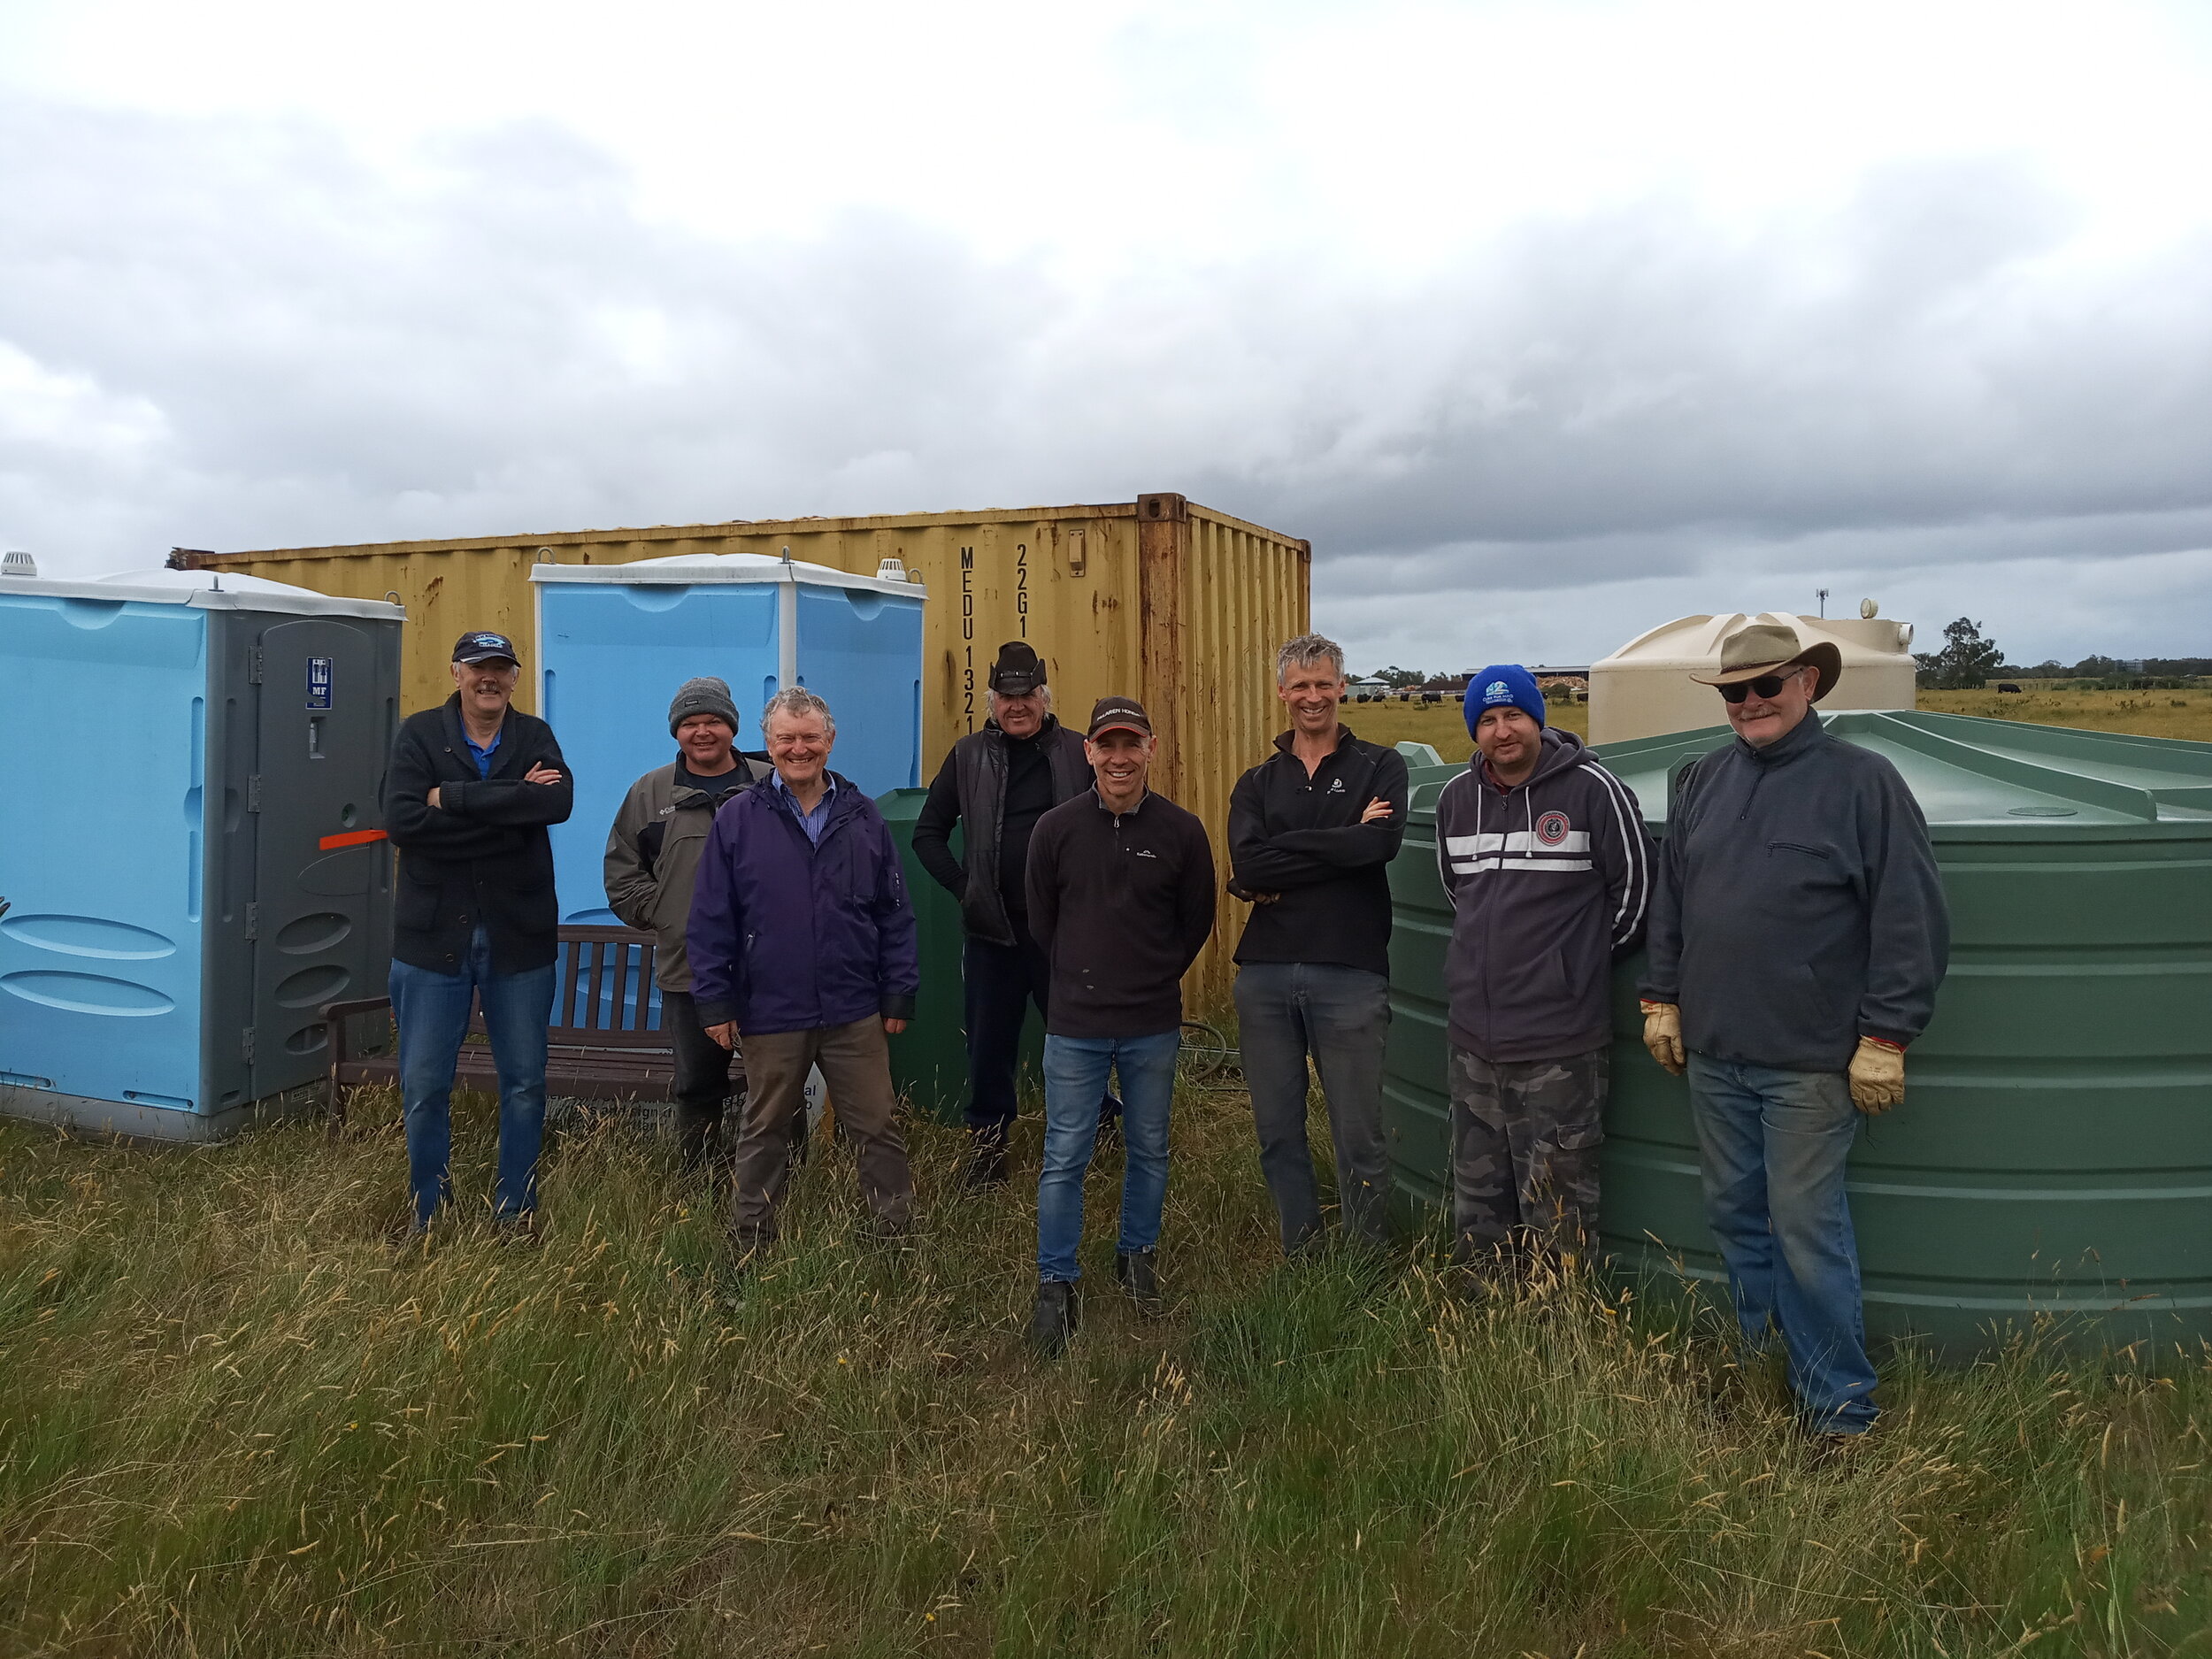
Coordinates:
[1765,686]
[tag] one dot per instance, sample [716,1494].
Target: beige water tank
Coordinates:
[1645,688]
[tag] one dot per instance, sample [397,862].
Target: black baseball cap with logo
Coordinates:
[483,647]
[1017,672]
[1118,714]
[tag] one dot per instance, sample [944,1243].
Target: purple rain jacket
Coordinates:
[788,936]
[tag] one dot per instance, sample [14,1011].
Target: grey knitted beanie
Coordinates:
[703,695]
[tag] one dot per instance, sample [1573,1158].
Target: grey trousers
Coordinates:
[1525,1140]
[855,1062]
[1339,1015]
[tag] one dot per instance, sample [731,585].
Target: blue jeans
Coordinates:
[431,1010]
[1075,1078]
[1287,1011]
[1772,1145]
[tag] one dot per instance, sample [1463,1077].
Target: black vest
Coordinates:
[981,758]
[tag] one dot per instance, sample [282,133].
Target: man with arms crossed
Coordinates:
[998,782]
[1121,896]
[471,788]
[802,945]
[1312,830]
[1798,935]
[652,860]
[1546,859]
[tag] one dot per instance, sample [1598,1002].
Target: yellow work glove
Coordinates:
[1877,1075]
[1662,1035]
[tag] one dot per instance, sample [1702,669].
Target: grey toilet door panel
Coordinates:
[323,867]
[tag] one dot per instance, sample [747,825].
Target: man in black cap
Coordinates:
[471,788]
[652,861]
[1121,893]
[997,783]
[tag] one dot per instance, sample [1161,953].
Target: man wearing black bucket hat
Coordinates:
[997,783]
[473,786]
[1798,935]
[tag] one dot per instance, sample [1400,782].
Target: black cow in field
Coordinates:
[2008,686]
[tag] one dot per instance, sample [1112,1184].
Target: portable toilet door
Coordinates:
[615,642]
[166,951]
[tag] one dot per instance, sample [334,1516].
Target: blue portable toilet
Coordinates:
[190,856]
[616,641]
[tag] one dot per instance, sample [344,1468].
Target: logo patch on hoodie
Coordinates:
[1552,829]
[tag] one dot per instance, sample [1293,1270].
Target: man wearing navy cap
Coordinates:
[472,789]
[1548,867]
[1121,896]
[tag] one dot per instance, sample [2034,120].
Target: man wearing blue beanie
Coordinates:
[1504,686]
[1544,854]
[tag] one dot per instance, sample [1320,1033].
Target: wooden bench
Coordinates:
[600,1043]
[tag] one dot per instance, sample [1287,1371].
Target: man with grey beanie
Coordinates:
[652,858]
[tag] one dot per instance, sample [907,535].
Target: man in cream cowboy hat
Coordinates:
[1798,934]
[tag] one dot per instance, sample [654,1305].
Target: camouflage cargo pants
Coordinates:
[1525,1139]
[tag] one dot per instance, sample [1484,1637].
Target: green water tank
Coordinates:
[2054,1155]
[929,1059]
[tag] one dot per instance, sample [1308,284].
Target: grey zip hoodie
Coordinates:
[1550,883]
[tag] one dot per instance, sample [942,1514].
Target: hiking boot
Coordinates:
[987,1162]
[1836,1451]
[1059,1310]
[1139,1278]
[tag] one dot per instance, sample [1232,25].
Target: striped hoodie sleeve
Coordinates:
[1623,850]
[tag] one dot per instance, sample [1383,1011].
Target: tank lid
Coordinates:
[694,570]
[1978,780]
[204,590]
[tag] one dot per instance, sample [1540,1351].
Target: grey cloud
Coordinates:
[223,333]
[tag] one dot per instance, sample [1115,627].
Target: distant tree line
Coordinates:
[1970,660]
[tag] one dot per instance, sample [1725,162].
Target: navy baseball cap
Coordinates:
[1119,714]
[482,648]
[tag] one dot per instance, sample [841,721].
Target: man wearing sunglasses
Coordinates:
[1798,934]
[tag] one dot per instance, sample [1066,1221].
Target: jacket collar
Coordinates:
[458,735]
[1099,801]
[1345,738]
[1807,733]
[690,794]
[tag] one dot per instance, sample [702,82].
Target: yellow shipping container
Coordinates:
[1173,602]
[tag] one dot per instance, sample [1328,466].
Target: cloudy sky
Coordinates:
[1545,323]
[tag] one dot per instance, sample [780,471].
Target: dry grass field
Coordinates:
[239,1418]
[2185,714]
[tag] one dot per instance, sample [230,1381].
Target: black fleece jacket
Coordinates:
[1300,837]
[1798,906]
[482,855]
[1122,904]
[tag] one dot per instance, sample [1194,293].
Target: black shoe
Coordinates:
[1059,1310]
[1109,1119]
[1140,1280]
[987,1162]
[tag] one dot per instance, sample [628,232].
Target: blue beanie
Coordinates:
[1503,685]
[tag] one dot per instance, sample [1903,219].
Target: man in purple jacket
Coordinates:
[802,945]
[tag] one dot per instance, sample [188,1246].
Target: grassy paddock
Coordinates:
[2186,714]
[240,1420]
